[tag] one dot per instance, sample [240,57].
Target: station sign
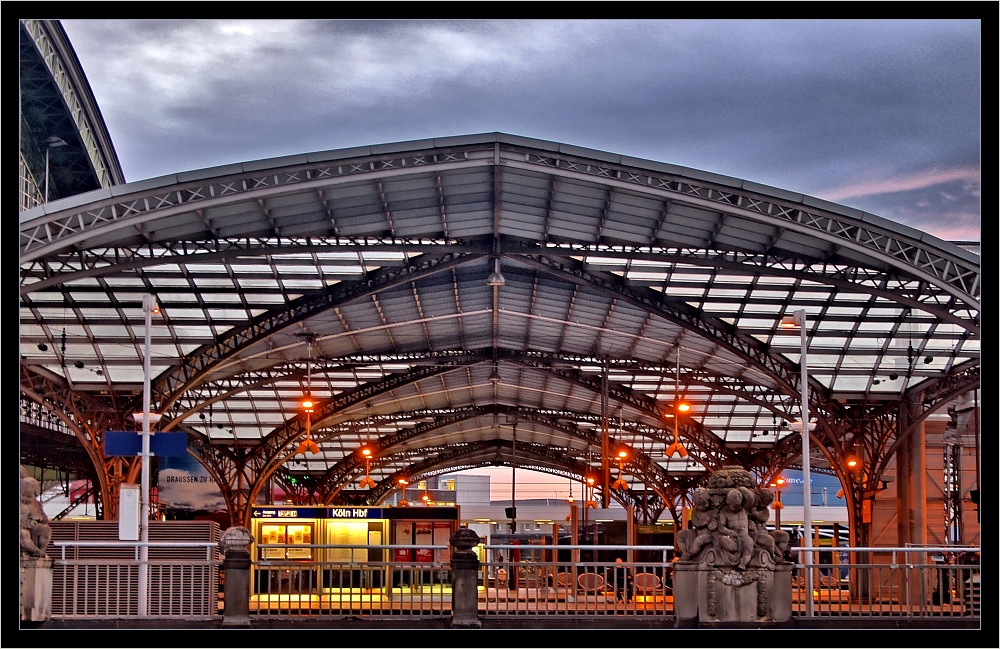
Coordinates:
[318,512]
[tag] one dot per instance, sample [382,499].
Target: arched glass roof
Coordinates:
[453,301]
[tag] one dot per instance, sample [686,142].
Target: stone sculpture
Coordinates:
[35,530]
[728,546]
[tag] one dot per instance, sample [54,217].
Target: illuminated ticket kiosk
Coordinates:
[291,545]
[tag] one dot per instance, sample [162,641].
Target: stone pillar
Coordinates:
[236,594]
[780,598]
[464,579]
[686,596]
[36,589]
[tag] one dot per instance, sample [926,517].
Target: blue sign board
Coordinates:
[126,443]
[318,512]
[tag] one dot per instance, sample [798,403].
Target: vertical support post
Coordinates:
[464,574]
[800,317]
[630,532]
[777,510]
[605,442]
[148,306]
[574,540]
[513,479]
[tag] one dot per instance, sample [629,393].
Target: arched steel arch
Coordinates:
[56,101]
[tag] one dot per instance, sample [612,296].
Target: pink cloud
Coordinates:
[969,177]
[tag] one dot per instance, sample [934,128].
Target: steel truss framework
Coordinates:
[56,102]
[369,277]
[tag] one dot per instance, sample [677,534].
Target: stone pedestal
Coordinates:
[686,596]
[465,579]
[36,589]
[780,601]
[734,596]
[236,605]
[709,594]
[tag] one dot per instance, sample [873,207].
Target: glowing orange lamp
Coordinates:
[308,444]
[677,448]
[590,502]
[402,485]
[620,483]
[366,481]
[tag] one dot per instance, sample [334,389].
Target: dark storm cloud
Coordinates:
[879,115]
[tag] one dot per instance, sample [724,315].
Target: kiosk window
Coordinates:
[279,534]
[299,535]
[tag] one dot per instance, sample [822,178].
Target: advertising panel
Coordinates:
[350,533]
[442,536]
[403,536]
[424,537]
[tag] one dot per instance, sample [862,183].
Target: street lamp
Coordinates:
[149,307]
[798,319]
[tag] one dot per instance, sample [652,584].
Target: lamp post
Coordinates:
[798,319]
[513,479]
[149,307]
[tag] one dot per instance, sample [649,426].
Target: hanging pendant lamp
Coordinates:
[620,483]
[308,404]
[677,448]
[366,481]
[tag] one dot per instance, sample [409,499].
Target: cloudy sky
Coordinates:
[879,115]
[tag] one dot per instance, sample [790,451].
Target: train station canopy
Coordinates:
[487,300]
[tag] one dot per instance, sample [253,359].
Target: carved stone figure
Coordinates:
[734,540]
[781,541]
[703,524]
[35,531]
[759,516]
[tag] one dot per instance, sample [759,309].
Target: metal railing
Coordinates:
[545,586]
[353,585]
[100,579]
[906,582]
[95,580]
